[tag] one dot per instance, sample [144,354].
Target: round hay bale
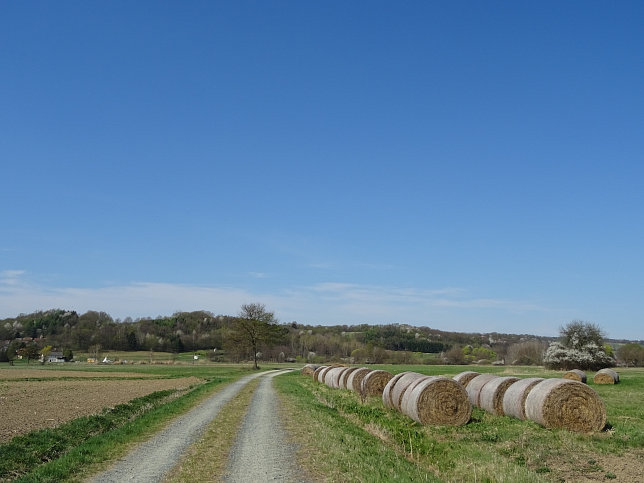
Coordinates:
[562,403]
[322,374]
[465,377]
[337,375]
[330,375]
[514,397]
[475,385]
[309,370]
[491,395]
[345,376]
[316,374]
[402,385]
[606,376]
[374,383]
[354,382]
[386,392]
[575,375]
[437,400]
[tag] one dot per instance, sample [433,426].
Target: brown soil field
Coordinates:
[29,405]
[51,374]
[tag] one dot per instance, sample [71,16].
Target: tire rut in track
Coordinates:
[262,451]
[151,460]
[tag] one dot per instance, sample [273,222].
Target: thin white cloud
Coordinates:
[324,303]
[11,277]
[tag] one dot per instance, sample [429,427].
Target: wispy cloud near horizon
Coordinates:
[448,308]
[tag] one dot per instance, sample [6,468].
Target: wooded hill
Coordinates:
[203,330]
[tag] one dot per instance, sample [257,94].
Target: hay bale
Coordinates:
[475,385]
[309,370]
[465,377]
[330,376]
[387,391]
[374,383]
[316,374]
[562,403]
[606,376]
[402,385]
[515,395]
[491,395]
[437,400]
[322,374]
[336,375]
[575,375]
[345,376]
[354,382]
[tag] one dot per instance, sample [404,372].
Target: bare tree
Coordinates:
[255,326]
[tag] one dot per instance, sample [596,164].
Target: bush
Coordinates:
[591,357]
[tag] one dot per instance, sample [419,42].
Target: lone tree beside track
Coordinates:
[255,326]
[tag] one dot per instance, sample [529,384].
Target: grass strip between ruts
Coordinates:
[207,458]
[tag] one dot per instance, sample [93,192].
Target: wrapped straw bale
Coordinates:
[309,370]
[465,377]
[566,404]
[386,392]
[354,382]
[316,374]
[606,376]
[401,386]
[437,400]
[575,375]
[475,385]
[491,395]
[514,397]
[345,376]
[374,383]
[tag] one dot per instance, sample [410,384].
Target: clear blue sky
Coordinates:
[470,166]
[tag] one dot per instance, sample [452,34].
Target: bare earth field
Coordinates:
[32,374]
[29,405]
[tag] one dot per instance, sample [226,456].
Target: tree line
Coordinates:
[92,331]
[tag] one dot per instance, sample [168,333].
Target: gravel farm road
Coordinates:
[260,453]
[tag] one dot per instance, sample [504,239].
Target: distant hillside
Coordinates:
[202,330]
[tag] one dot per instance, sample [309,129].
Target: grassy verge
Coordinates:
[77,448]
[207,458]
[344,439]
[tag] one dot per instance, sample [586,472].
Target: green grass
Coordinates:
[75,448]
[363,442]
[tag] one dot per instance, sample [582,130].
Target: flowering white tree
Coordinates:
[581,347]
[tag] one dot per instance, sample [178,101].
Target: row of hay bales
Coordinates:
[553,403]
[603,376]
[425,399]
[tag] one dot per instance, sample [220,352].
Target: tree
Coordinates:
[581,347]
[631,354]
[44,353]
[253,327]
[29,351]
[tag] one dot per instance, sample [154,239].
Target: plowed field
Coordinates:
[29,405]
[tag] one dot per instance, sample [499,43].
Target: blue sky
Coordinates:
[470,166]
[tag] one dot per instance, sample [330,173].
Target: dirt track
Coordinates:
[261,451]
[152,460]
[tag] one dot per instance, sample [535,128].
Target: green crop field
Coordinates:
[345,439]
